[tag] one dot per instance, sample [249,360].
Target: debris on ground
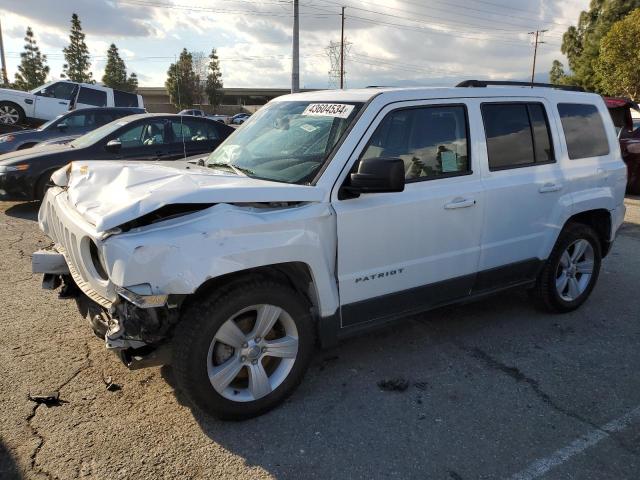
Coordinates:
[111,386]
[399,384]
[51,399]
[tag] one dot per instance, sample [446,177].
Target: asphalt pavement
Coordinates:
[497,390]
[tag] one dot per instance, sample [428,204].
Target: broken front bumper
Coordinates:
[135,327]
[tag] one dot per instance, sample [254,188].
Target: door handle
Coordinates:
[62,103]
[460,203]
[550,187]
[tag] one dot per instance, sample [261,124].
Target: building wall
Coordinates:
[234,100]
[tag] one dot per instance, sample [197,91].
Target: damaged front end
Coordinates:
[135,326]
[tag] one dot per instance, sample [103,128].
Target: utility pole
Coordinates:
[5,79]
[295,70]
[537,35]
[342,52]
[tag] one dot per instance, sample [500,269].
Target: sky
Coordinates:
[389,42]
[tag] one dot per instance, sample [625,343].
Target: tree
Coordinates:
[214,80]
[77,55]
[581,43]
[115,72]
[618,65]
[182,81]
[33,69]
[556,74]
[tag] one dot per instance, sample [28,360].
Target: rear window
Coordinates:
[125,99]
[91,96]
[583,130]
[517,135]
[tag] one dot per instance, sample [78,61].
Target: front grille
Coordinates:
[69,242]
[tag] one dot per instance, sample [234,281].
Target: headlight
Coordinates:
[14,168]
[7,138]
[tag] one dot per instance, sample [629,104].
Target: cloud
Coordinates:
[416,42]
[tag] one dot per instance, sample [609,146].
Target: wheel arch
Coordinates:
[600,220]
[298,275]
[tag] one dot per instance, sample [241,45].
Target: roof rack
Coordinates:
[506,83]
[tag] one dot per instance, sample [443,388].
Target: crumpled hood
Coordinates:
[108,194]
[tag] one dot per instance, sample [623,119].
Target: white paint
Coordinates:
[542,466]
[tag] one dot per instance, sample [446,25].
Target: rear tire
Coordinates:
[571,271]
[226,364]
[11,114]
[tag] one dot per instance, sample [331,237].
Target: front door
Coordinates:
[147,139]
[408,251]
[53,100]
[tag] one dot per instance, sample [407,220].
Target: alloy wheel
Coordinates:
[9,115]
[575,270]
[252,353]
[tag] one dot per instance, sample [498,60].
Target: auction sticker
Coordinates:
[339,110]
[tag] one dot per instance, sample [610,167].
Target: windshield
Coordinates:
[285,141]
[97,134]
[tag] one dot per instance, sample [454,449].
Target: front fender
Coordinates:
[177,256]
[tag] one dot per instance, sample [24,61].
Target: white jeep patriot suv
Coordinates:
[329,213]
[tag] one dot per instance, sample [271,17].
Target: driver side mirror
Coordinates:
[377,175]
[114,145]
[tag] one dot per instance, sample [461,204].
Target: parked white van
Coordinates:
[55,98]
[329,213]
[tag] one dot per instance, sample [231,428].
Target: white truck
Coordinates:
[55,98]
[330,213]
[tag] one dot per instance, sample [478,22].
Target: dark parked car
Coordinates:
[629,135]
[24,174]
[64,128]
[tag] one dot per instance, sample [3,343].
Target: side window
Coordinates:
[91,96]
[583,130]
[60,90]
[432,141]
[517,135]
[77,120]
[103,118]
[144,134]
[124,99]
[191,130]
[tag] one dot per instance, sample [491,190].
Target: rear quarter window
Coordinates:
[584,130]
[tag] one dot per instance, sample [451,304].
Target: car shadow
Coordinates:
[24,211]
[8,468]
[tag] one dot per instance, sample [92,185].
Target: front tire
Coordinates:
[11,114]
[240,352]
[571,271]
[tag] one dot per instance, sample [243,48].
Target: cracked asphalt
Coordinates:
[496,390]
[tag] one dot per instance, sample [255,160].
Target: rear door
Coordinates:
[526,193]
[91,97]
[407,251]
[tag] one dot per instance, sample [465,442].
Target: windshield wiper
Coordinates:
[237,170]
